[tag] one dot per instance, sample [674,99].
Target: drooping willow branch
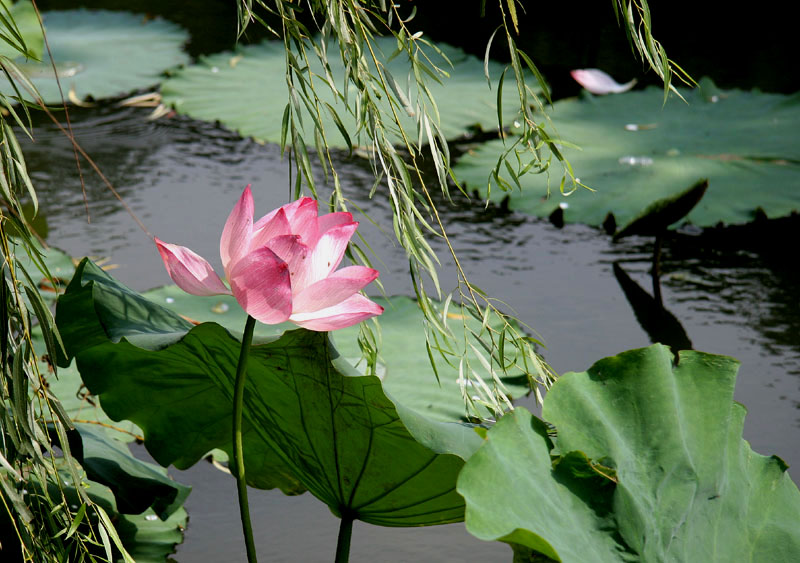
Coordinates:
[352,26]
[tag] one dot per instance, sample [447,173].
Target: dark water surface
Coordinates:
[733,294]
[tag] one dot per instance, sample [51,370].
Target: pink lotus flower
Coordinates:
[282,267]
[598,82]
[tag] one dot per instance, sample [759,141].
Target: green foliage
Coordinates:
[381,117]
[136,484]
[634,150]
[20,34]
[434,412]
[327,426]
[102,54]
[650,465]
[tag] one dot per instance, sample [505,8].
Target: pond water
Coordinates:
[734,293]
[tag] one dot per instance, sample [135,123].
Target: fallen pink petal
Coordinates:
[598,82]
[282,267]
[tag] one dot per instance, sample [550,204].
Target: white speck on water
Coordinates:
[170,300]
[636,160]
[214,69]
[220,308]
[151,517]
[714,99]
[517,124]
[563,205]
[631,127]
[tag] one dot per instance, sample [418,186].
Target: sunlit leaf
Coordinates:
[653,467]
[634,151]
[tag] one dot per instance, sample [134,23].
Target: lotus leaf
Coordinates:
[137,485]
[434,412]
[246,91]
[103,54]
[655,469]
[146,537]
[333,429]
[635,150]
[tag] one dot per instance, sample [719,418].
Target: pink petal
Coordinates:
[347,313]
[291,208]
[325,256]
[334,289]
[303,221]
[264,231]
[330,220]
[235,241]
[327,222]
[598,82]
[190,271]
[260,283]
[289,249]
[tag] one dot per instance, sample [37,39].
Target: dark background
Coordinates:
[737,47]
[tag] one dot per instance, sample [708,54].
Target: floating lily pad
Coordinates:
[333,429]
[653,467]
[635,150]
[103,54]
[246,91]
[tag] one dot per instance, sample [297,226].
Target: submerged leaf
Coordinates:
[677,481]
[634,150]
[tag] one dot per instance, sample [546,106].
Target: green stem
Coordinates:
[238,454]
[343,543]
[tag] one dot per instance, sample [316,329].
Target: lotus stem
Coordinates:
[238,454]
[655,272]
[343,543]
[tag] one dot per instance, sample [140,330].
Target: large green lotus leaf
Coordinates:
[686,486]
[246,91]
[514,495]
[635,150]
[434,411]
[84,313]
[336,430]
[103,54]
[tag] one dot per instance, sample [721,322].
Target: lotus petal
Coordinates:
[264,231]
[235,241]
[334,289]
[598,82]
[326,255]
[347,313]
[260,282]
[190,271]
